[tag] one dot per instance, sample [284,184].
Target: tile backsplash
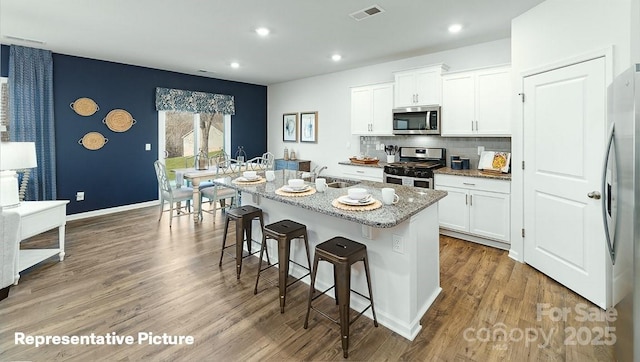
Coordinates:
[462,146]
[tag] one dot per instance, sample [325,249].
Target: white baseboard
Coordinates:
[476,239]
[112,210]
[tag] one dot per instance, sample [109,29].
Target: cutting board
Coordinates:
[496,161]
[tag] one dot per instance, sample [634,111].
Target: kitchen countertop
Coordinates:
[473,173]
[412,199]
[380,164]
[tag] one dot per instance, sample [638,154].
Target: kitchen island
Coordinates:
[402,243]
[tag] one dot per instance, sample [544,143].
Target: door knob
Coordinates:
[594,195]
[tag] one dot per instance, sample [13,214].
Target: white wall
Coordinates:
[330,96]
[550,34]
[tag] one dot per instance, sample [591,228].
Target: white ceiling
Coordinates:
[191,35]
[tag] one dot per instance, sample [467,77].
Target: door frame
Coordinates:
[516,251]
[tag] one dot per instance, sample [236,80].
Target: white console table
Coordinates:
[37,217]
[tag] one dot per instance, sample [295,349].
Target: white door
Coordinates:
[564,140]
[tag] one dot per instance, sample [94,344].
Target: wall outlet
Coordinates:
[480,150]
[397,244]
[80,196]
[147,147]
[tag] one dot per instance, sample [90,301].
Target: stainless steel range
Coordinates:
[415,167]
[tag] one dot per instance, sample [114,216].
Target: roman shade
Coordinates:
[168,99]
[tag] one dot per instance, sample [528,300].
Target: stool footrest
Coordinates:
[297,280]
[322,293]
[337,321]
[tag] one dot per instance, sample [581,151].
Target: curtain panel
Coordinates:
[168,99]
[31,116]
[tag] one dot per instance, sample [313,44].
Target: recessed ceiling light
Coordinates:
[262,31]
[235,65]
[454,28]
[336,57]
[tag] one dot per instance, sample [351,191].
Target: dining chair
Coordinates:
[219,194]
[170,194]
[262,163]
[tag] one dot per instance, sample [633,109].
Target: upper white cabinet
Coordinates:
[419,87]
[372,110]
[477,103]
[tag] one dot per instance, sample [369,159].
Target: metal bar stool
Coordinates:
[283,231]
[243,217]
[342,253]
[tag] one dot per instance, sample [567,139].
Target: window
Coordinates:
[183,134]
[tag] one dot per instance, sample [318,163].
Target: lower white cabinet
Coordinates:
[477,207]
[362,172]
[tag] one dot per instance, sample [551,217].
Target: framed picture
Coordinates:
[309,127]
[290,127]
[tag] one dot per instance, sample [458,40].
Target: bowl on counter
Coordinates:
[250,175]
[357,193]
[296,183]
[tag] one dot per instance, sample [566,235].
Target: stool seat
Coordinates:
[342,253]
[341,249]
[242,211]
[284,227]
[283,232]
[243,217]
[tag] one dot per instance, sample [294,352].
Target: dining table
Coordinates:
[196,177]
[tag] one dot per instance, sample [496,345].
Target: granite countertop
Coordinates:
[473,173]
[380,164]
[412,199]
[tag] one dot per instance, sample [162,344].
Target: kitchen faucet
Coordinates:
[315,174]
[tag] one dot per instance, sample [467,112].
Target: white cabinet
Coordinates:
[418,87]
[477,103]
[475,208]
[372,110]
[367,173]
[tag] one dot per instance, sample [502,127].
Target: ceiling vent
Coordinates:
[367,12]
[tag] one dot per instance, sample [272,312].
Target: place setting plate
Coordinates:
[292,191]
[346,203]
[244,180]
[346,200]
[295,189]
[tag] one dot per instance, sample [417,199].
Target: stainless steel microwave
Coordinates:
[416,120]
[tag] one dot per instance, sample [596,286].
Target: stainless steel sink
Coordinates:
[339,184]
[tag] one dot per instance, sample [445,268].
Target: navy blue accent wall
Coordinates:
[121,173]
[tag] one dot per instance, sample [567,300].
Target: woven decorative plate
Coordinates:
[281,192]
[254,182]
[338,205]
[93,141]
[119,120]
[84,106]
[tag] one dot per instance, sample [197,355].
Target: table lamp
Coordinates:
[14,156]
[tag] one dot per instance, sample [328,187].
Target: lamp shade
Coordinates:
[17,155]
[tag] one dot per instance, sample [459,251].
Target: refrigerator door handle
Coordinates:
[611,244]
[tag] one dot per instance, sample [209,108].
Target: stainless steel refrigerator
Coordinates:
[621,209]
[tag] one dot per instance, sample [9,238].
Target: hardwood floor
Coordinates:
[125,274]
